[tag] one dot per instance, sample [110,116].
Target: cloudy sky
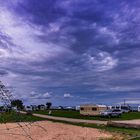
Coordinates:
[71,51]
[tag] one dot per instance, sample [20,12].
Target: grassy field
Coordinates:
[16,117]
[76,115]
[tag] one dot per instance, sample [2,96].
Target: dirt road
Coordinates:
[71,120]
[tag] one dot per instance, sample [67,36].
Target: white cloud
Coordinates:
[67,95]
[47,95]
[102,61]
[131,102]
[109,33]
[33,93]
[22,35]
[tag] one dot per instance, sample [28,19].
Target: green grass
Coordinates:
[16,117]
[76,115]
[129,116]
[69,114]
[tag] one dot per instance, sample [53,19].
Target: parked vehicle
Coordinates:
[92,109]
[123,108]
[111,113]
[134,109]
[126,108]
[28,108]
[138,108]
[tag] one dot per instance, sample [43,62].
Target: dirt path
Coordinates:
[46,130]
[137,122]
[71,120]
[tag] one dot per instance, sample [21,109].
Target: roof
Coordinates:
[94,105]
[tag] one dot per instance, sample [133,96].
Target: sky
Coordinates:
[71,52]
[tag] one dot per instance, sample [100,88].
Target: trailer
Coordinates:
[92,109]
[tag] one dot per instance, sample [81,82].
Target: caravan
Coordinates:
[92,109]
[138,108]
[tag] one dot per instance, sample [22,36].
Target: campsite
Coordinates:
[69,69]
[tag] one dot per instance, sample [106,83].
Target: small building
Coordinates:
[92,109]
[109,107]
[28,108]
[34,107]
[138,108]
[43,107]
[77,108]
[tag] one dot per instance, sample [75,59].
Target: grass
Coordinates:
[17,117]
[76,115]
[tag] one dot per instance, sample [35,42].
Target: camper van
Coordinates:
[92,109]
[138,108]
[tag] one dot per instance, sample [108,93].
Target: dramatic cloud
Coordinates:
[89,49]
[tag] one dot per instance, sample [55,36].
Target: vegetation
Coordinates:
[17,117]
[17,103]
[48,104]
[39,106]
[76,115]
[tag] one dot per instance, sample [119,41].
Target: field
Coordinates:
[121,131]
[11,130]
[17,117]
[125,133]
[76,115]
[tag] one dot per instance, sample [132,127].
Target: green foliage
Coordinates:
[39,106]
[17,117]
[17,103]
[48,104]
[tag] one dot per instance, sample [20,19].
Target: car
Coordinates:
[111,113]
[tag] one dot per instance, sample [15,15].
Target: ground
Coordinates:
[75,114]
[5,132]
[46,130]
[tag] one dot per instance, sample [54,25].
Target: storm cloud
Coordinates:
[89,49]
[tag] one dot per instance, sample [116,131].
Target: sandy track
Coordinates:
[70,119]
[136,121]
[49,131]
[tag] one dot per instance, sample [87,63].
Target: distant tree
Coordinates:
[39,106]
[17,103]
[1,108]
[48,104]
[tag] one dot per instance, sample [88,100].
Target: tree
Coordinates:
[17,103]
[1,108]
[39,106]
[48,104]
